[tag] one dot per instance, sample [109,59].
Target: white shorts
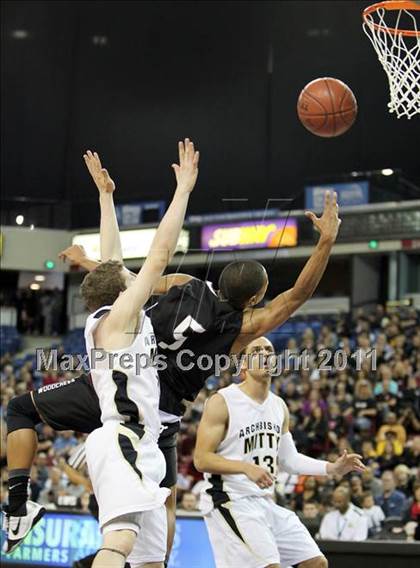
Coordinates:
[254,532]
[125,467]
[151,529]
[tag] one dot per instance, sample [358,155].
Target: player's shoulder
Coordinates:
[202,289]
[278,400]
[216,404]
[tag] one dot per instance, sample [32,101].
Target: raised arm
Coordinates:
[211,432]
[109,230]
[293,462]
[75,255]
[259,321]
[124,313]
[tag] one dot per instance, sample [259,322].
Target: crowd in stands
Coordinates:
[366,399]
[39,312]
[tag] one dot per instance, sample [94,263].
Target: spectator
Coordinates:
[412,453]
[388,458]
[412,512]
[386,384]
[84,502]
[317,431]
[368,452]
[189,502]
[357,491]
[64,443]
[41,463]
[309,492]
[345,522]
[364,406]
[373,512]
[310,516]
[53,486]
[330,411]
[371,483]
[391,425]
[336,423]
[403,480]
[35,485]
[392,501]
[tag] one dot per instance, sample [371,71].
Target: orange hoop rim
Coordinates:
[390,6]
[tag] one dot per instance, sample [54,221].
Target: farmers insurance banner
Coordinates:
[269,233]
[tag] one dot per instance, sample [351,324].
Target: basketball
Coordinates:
[327,107]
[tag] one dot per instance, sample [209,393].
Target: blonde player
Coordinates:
[124,461]
[242,439]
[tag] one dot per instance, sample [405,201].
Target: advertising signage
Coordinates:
[348,194]
[267,233]
[135,243]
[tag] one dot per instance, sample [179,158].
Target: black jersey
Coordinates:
[190,321]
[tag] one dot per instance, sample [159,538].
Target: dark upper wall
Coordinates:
[174,69]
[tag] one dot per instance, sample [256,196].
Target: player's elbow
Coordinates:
[199,461]
[300,295]
[288,467]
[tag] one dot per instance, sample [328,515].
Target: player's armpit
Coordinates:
[258,321]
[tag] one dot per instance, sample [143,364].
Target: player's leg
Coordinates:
[70,405]
[21,515]
[167,445]
[170,506]
[149,550]
[22,443]
[295,545]
[240,535]
[117,545]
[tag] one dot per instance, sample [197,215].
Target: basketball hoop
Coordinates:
[395,34]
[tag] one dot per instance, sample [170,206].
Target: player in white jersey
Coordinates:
[124,461]
[243,439]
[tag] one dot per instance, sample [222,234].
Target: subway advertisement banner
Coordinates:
[61,538]
[267,233]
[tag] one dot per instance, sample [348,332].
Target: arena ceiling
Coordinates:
[129,79]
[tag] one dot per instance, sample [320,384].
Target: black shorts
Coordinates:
[69,405]
[167,444]
[73,405]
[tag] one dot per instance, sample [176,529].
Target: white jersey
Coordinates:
[253,436]
[125,380]
[353,525]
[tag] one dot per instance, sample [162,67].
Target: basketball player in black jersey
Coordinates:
[190,316]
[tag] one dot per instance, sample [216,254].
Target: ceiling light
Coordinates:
[34,286]
[19,219]
[39,278]
[387,172]
[19,34]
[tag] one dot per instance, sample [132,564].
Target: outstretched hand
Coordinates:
[186,171]
[100,175]
[73,254]
[329,223]
[345,464]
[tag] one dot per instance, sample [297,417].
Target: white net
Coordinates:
[399,55]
